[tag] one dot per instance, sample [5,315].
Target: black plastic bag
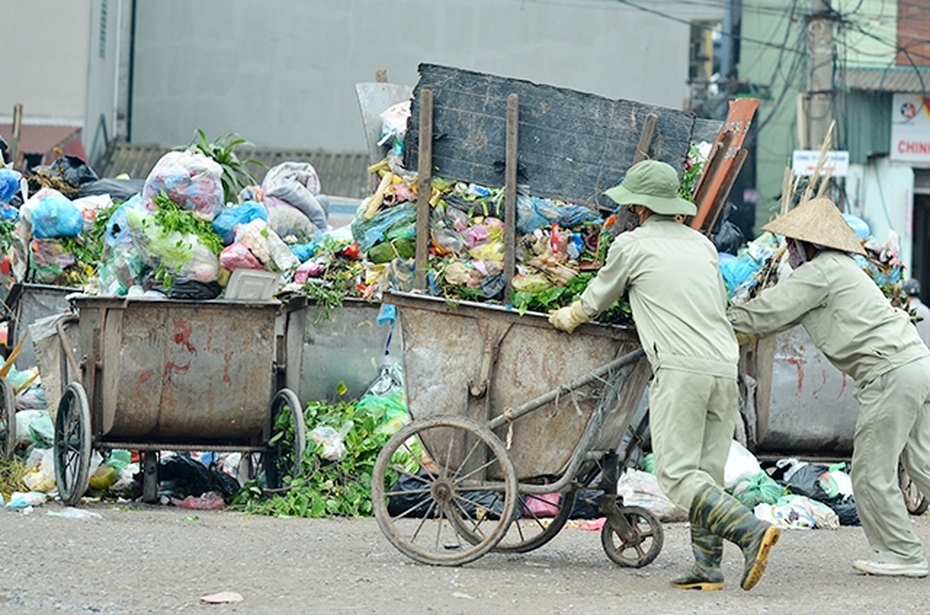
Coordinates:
[70,169]
[806,481]
[182,288]
[726,235]
[191,477]
[492,287]
[417,505]
[586,504]
[120,190]
[845,508]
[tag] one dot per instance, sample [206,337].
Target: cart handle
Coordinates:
[511,414]
[66,343]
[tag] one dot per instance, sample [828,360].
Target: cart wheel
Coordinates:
[529,530]
[284,454]
[643,548]
[72,444]
[7,418]
[428,483]
[916,502]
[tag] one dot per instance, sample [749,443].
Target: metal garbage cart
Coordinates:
[506,411]
[25,303]
[797,403]
[28,302]
[328,347]
[156,374]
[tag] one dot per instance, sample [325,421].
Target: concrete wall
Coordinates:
[44,60]
[108,21]
[282,73]
[776,119]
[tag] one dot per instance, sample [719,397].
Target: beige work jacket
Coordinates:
[845,313]
[676,295]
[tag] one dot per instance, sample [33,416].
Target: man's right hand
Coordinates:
[568,318]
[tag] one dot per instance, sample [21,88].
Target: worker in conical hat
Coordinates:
[863,335]
[678,302]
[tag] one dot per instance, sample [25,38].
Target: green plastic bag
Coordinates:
[757,489]
[386,251]
[42,431]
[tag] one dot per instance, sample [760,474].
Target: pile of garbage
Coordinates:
[791,493]
[763,261]
[173,233]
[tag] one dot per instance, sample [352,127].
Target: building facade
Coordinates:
[283,73]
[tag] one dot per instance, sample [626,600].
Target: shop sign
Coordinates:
[804,161]
[910,128]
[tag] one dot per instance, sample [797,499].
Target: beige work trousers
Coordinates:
[691,418]
[893,423]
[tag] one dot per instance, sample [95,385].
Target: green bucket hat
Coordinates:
[654,185]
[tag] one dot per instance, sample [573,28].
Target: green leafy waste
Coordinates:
[327,488]
[169,218]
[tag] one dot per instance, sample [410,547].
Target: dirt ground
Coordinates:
[159,559]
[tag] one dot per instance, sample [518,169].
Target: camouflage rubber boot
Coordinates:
[725,516]
[705,573]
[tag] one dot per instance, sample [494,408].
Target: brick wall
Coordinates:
[913,33]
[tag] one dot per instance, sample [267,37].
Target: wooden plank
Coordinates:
[645,138]
[510,193]
[424,180]
[572,145]
[720,198]
[712,181]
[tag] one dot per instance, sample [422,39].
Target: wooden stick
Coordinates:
[424,184]
[26,384]
[787,191]
[645,138]
[510,193]
[821,160]
[18,348]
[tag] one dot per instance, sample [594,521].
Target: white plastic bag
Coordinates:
[741,464]
[333,447]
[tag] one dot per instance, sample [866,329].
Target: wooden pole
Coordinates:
[15,153]
[510,194]
[424,183]
[645,138]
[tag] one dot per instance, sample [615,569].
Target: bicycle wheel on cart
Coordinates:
[430,482]
[538,519]
[72,446]
[7,417]
[289,440]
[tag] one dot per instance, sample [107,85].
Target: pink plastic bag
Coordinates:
[210,500]
[237,256]
[546,505]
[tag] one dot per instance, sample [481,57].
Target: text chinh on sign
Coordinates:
[910,128]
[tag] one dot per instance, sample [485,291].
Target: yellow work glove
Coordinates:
[568,318]
[744,338]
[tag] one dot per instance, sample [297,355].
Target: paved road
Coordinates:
[157,559]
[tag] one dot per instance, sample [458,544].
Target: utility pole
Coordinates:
[818,110]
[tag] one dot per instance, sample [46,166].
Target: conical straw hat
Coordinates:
[817,221]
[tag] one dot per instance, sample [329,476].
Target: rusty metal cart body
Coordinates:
[507,411]
[26,303]
[152,374]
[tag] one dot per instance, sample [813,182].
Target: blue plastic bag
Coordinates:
[54,215]
[390,223]
[117,231]
[9,184]
[229,217]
